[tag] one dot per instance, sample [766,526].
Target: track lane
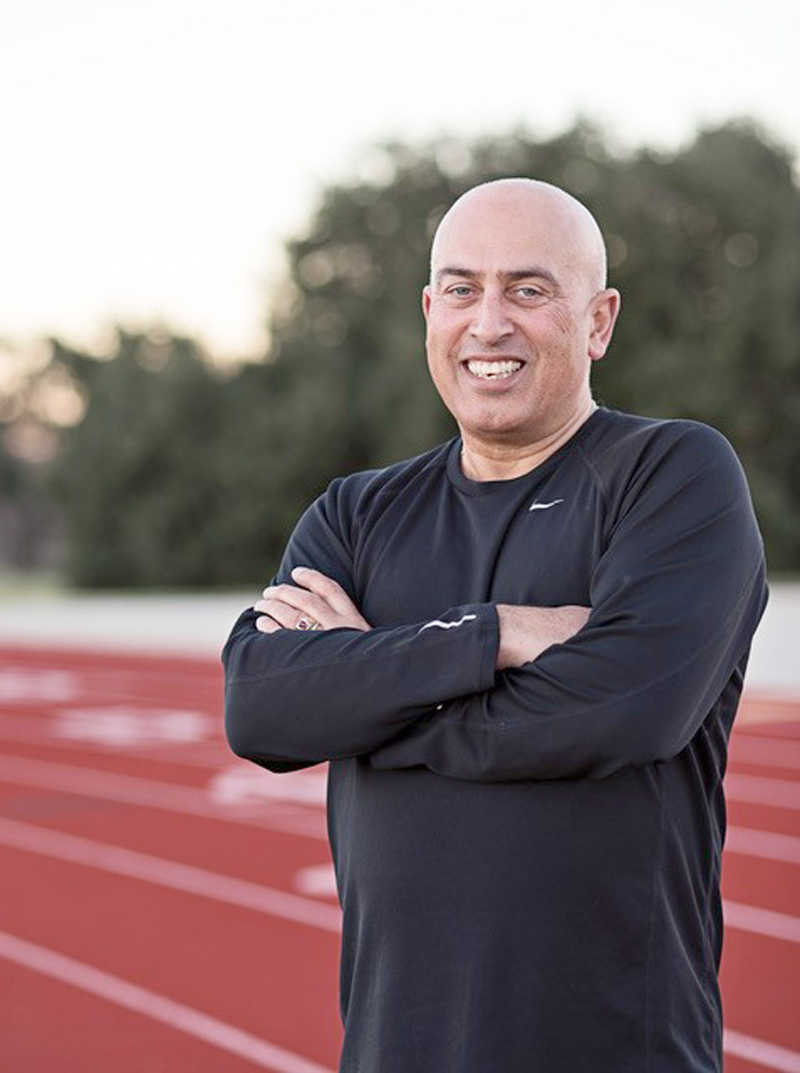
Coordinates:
[249,847]
[222,960]
[50,1025]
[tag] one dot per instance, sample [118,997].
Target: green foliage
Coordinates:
[703,245]
[138,478]
[180,476]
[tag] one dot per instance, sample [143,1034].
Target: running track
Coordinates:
[168,908]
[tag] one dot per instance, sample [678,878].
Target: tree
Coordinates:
[179,475]
[138,478]
[702,244]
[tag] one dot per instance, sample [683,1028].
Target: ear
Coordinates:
[604,313]
[426,301]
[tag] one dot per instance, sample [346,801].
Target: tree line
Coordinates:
[183,473]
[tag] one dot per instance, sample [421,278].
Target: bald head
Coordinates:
[516,312]
[527,206]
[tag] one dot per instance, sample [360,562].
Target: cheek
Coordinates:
[563,323]
[440,340]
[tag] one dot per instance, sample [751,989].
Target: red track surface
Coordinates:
[166,907]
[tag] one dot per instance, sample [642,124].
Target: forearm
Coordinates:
[676,597]
[527,632]
[355,658]
[295,697]
[577,712]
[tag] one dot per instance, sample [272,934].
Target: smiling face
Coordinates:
[516,311]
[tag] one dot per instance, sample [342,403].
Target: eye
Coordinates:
[459,293]
[527,291]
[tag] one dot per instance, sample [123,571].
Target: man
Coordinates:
[522,653]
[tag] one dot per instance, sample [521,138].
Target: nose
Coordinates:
[490,322]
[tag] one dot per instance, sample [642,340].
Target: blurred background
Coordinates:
[215,224]
[214,230]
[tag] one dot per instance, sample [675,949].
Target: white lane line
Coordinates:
[157,1007]
[757,790]
[152,793]
[268,1056]
[209,753]
[760,1053]
[316,879]
[184,877]
[767,845]
[761,921]
[771,752]
[200,881]
[242,783]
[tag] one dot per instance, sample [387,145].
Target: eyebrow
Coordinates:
[533,272]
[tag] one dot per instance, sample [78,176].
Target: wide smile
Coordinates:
[495,369]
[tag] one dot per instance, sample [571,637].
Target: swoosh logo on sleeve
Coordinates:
[446,625]
[544,506]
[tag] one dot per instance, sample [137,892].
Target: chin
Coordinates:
[505,432]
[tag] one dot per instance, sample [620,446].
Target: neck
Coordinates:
[486,460]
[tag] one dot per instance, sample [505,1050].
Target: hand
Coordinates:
[525,632]
[316,600]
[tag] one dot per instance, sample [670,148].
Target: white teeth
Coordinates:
[493,370]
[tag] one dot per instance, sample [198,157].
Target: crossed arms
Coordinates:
[497,693]
[524,632]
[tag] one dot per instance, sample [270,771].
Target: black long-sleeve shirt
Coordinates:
[528,861]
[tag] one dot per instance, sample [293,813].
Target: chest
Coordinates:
[534,543]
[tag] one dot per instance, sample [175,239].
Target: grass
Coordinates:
[16,583]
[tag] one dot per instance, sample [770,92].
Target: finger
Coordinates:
[267,625]
[331,591]
[284,614]
[300,599]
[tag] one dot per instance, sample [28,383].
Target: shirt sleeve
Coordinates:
[676,597]
[293,699]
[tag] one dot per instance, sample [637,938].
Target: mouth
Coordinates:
[494,369]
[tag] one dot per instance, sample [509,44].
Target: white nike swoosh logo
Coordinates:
[544,506]
[446,625]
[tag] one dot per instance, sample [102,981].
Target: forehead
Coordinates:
[504,235]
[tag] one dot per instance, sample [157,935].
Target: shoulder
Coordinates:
[644,462]
[618,433]
[348,500]
[329,530]
[623,445]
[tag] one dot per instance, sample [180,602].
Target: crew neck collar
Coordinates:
[480,488]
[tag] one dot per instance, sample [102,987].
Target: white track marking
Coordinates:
[245,783]
[26,685]
[151,793]
[760,1053]
[125,726]
[317,880]
[766,751]
[209,753]
[768,845]
[150,1004]
[188,878]
[234,1040]
[761,922]
[171,874]
[757,790]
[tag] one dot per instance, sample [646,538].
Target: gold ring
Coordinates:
[305,622]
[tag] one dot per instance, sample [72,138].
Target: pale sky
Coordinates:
[156,153]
